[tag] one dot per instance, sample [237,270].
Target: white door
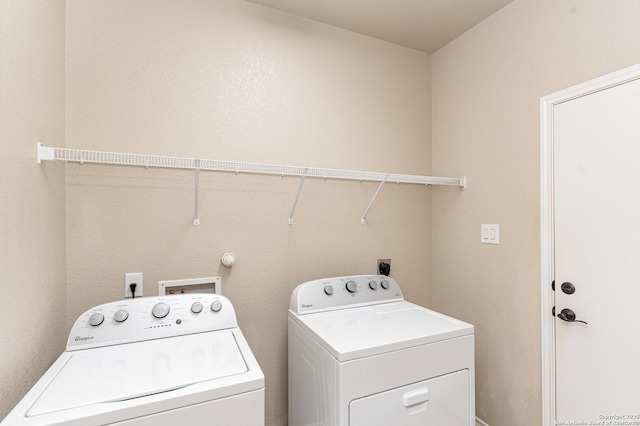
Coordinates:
[596,143]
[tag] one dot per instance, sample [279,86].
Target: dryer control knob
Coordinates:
[385,284]
[351,286]
[196,307]
[328,290]
[216,305]
[373,285]
[160,310]
[96,319]
[121,315]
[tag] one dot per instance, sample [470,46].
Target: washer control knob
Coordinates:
[160,310]
[373,285]
[328,290]
[351,286]
[121,315]
[196,307]
[96,319]
[385,284]
[216,305]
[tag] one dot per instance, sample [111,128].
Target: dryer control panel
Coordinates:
[344,292]
[147,318]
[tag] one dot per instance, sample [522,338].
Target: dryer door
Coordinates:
[442,400]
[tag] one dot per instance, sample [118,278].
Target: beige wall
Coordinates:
[486,91]
[233,80]
[32,197]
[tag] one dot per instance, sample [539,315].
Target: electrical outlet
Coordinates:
[383,267]
[134,277]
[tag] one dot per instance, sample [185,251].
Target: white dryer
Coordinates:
[165,360]
[360,355]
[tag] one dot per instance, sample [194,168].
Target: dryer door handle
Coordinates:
[415,397]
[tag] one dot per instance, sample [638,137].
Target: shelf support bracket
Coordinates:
[295,201]
[196,217]
[45,153]
[363,219]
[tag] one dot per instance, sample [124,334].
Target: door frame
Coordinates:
[547,104]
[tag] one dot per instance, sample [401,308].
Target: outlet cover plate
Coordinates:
[132,277]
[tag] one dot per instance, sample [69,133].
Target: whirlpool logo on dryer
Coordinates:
[83,338]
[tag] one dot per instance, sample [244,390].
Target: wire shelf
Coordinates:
[46,153]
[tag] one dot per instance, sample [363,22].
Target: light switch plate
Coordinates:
[490,234]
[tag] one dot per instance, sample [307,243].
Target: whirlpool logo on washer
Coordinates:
[83,338]
[307,306]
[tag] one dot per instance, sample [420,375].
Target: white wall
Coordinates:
[486,87]
[233,80]
[32,206]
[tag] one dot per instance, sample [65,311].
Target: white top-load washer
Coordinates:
[164,360]
[360,355]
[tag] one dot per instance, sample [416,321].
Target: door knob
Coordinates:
[568,288]
[569,316]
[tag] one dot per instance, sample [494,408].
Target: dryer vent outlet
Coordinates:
[384,267]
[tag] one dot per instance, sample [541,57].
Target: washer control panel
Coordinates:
[147,318]
[344,292]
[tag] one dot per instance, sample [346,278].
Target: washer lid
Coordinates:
[365,331]
[122,372]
